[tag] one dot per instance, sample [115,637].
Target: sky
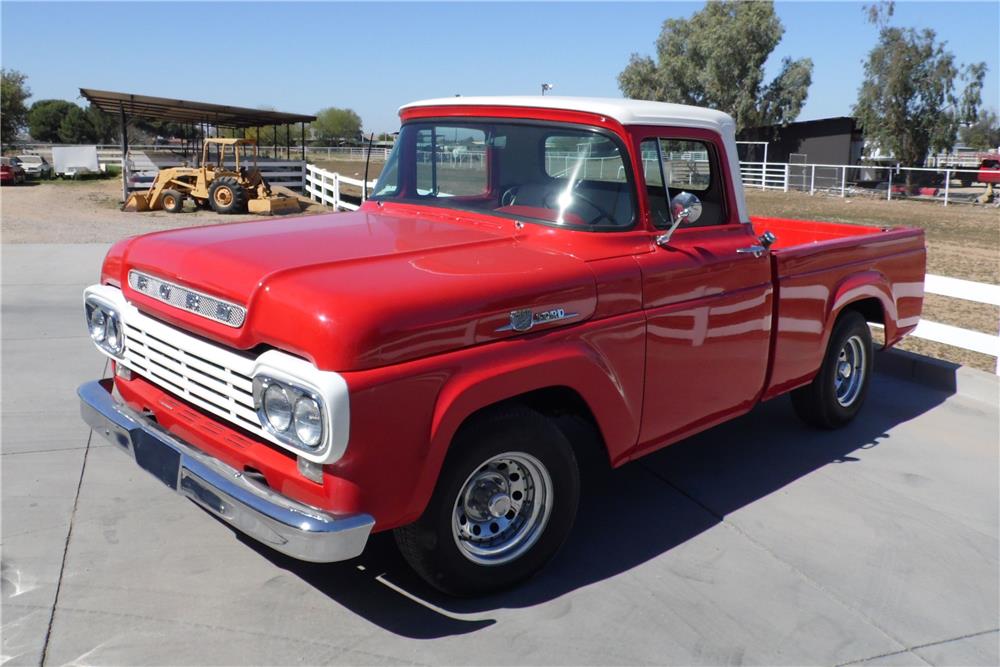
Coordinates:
[374,57]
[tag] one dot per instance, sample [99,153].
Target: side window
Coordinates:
[450,162]
[687,166]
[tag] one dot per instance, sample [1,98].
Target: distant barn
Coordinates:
[824,141]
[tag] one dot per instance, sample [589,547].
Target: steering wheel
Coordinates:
[600,209]
[509,196]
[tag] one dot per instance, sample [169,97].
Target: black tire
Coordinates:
[173,201]
[226,195]
[966,181]
[431,544]
[821,403]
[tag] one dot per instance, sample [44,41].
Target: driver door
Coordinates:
[708,305]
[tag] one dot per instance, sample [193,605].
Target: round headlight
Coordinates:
[308,421]
[277,407]
[97,324]
[113,337]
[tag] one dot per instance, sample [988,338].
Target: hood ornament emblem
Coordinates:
[524,319]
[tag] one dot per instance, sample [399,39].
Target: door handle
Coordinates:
[755,250]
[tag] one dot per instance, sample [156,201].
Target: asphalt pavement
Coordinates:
[758,542]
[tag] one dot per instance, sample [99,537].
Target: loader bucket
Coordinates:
[139,201]
[273,205]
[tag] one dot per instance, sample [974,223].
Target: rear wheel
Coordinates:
[173,201]
[504,503]
[838,391]
[226,195]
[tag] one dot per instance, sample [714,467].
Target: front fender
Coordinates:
[404,418]
[573,365]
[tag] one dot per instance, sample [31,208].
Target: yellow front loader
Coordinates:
[226,190]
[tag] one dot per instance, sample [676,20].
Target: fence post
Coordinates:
[763,171]
[812,180]
[843,181]
[947,184]
[787,175]
[888,190]
[336,191]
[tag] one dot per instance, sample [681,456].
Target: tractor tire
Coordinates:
[227,195]
[173,201]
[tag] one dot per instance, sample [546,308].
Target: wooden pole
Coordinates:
[303,125]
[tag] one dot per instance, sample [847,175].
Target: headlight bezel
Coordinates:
[112,319]
[294,391]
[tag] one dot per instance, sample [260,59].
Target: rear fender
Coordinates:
[859,286]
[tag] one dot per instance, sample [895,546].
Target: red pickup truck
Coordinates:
[531,276]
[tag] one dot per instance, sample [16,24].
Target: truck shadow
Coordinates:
[631,515]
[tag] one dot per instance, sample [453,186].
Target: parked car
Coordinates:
[35,166]
[11,171]
[439,362]
[988,172]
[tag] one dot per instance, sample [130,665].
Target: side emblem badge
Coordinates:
[521,320]
[524,319]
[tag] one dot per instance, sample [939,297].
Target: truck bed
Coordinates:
[818,267]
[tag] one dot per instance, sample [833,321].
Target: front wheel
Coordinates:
[838,391]
[173,201]
[504,503]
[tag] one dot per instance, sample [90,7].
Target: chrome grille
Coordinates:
[188,299]
[207,384]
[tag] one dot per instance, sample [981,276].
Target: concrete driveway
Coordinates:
[760,541]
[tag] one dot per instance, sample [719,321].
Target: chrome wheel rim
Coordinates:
[849,375]
[502,508]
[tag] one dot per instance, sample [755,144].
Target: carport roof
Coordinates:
[186,111]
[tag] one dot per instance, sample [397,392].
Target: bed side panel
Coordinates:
[816,281]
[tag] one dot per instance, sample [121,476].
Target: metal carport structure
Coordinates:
[188,112]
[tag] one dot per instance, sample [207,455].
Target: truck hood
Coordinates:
[359,290]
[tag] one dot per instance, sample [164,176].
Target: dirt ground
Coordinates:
[963,241]
[87,211]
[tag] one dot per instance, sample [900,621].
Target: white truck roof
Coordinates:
[626,112]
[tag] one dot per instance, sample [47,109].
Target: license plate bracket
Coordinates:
[160,460]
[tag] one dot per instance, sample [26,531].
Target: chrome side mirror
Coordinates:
[685,209]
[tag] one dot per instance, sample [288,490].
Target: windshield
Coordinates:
[554,174]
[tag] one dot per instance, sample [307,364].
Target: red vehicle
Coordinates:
[531,276]
[989,171]
[11,171]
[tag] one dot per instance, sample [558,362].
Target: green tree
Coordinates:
[716,59]
[76,127]
[907,104]
[984,134]
[106,126]
[333,124]
[45,117]
[13,111]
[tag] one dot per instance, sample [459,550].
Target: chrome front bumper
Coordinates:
[281,523]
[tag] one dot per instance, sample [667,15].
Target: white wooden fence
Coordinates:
[976,341]
[286,173]
[324,186]
[842,179]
